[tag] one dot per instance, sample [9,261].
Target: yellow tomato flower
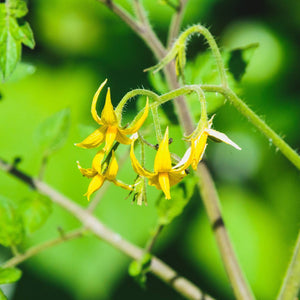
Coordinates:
[110,130]
[164,175]
[199,142]
[98,176]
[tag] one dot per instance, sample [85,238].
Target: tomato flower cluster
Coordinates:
[166,173]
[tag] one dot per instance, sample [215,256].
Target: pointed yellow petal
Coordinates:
[94,185]
[113,167]
[122,138]
[222,137]
[96,164]
[137,124]
[122,185]
[110,137]
[200,145]
[136,165]
[93,108]
[86,172]
[94,139]
[108,115]
[162,161]
[164,182]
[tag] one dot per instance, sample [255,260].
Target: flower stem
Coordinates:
[270,134]
[156,122]
[291,283]
[158,267]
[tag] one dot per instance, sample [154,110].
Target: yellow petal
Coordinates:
[94,185]
[113,167]
[110,137]
[153,181]
[94,139]
[87,172]
[96,164]
[136,165]
[162,161]
[93,108]
[122,138]
[108,115]
[122,185]
[200,145]
[222,137]
[176,177]
[164,181]
[137,125]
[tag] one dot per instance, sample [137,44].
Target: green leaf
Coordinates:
[52,134]
[22,70]
[2,296]
[9,275]
[12,34]
[169,209]
[35,211]
[12,231]
[239,59]
[203,70]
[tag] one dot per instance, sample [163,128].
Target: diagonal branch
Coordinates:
[213,209]
[158,267]
[230,262]
[291,283]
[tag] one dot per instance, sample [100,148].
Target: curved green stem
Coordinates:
[156,123]
[270,134]
[213,46]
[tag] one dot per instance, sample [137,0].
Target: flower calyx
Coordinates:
[165,175]
[199,140]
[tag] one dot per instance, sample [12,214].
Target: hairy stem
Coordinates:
[213,209]
[176,23]
[159,268]
[291,283]
[269,133]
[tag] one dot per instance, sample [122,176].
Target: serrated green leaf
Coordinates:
[9,275]
[17,8]
[52,134]
[11,226]
[167,210]
[22,70]
[12,34]
[239,59]
[35,211]
[2,296]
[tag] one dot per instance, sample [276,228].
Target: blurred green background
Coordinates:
[78,45]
